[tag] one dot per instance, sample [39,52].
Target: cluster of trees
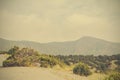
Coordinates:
[100,63]
[29,57]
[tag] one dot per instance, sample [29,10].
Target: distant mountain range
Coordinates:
[83,46]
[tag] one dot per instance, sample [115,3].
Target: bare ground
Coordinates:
[34,73]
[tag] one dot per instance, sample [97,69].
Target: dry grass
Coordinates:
[2,58]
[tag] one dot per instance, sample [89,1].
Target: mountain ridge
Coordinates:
[83,46]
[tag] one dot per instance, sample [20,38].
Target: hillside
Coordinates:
[83,46]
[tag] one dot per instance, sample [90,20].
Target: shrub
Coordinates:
[102,67]
[23,57]
[117,69]
[9,63]
[82,69]
[113,76]
[49,61]
[13,50]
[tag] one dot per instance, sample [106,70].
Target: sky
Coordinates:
[59,20]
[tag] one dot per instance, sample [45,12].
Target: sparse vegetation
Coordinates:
[3,52]
[113,76]
[85,64]
[101,63]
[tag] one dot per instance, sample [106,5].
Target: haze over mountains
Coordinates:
[83,46]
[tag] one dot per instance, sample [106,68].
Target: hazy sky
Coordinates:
[59,20]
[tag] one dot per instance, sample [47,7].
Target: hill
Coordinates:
[83,46]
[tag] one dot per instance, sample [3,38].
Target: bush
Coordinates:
[49,61]
[13,50]
[9,63]
[113,76]
[117,69]
[23,57]
[82,69]
[102,67]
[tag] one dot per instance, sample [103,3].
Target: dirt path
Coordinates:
[25,73]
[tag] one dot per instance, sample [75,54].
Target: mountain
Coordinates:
[83,46]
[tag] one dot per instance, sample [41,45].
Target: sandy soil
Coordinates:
[26,73]
[34,73]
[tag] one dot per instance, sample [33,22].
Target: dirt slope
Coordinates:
[33,73]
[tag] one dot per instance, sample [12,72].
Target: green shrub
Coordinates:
[82,69]
[47,62]
[50,61]
[102,67]
[113,76]
[13,50]
[9,63]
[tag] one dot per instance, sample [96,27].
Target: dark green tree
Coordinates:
[13,50]
[82,69]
